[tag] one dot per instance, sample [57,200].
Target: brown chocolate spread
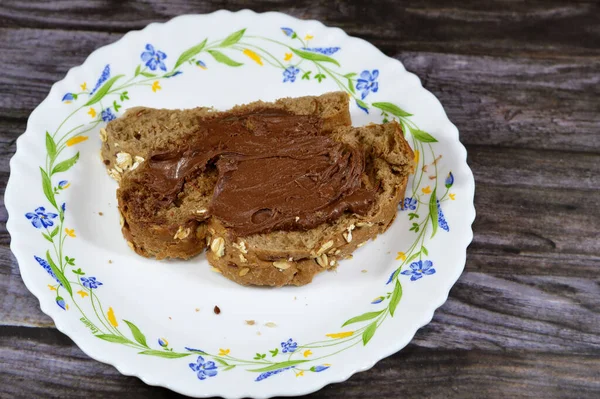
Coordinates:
[276,171]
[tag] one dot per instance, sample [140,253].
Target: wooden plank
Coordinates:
[552,106]
[472,26]
[412,372]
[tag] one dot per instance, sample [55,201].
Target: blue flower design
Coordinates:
[69,97]
[103,78]
[270,373]
[62,184]
[47,267]
[174,74]
[61,302]
[409,204]
[163,342]
[289,346]
[40,218]
[318,369]
[377,300]
[441,219]
[204,369]
[154,58]
[290,74]
[193,349]
[107,115]
[201,64]
[289,32]
[449,180]
[391,277]
[322,50]
[368,82]
[419,269]
[90,282]
[63,207]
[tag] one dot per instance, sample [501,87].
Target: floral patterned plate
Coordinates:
[179,324]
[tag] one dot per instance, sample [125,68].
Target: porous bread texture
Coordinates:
[179,230]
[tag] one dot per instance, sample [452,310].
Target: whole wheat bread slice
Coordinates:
[179,231]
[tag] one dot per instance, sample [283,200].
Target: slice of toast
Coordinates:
[182,226]
[293,257]
[179,230]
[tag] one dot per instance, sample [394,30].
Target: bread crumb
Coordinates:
[109,261]
[363,271]
[100,213]
[270,324]
[197,309]
[258,333]
[170,318]
[250,322]
[217,310]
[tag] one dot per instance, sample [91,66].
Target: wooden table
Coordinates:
[520,79]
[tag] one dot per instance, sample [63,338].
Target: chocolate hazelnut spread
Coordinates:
[275,172]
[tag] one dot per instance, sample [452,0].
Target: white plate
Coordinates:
[155,320]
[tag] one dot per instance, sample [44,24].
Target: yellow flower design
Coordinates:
[300,373]
[307,353]
[401,256]
[416,157]
[76,140]
[224,352]
[70,232]
[51,287]
[288,56]
[340,335]
[156,86]
[452,196]
[111,317]
[92,112]
[82,293]
[426,190]
[83,86]
[308,37]
[253,56]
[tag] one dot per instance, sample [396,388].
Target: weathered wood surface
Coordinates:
[521,80]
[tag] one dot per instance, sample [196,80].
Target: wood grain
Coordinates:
[519,79]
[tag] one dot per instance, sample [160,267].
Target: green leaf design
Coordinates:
[103,90]
[59,274]
[362,103]
[189,53]
[425,251]
[233,38]
[281,365]
[412,257]
[396,296]
[306,75]
[223,59]
[197,351]
[66,165]
[50,147]
[148,74]
[137,334]
[47,187]
[229,368]
[422,136]
[47,237]
[117,339]
[220,361]
[316,57]
[349,75]
[320,77]
[167,355]
[369,332]
[391,108]
[274,352]
[54,232]
[351,87]
[137,70]
[362,317]
[433,212]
